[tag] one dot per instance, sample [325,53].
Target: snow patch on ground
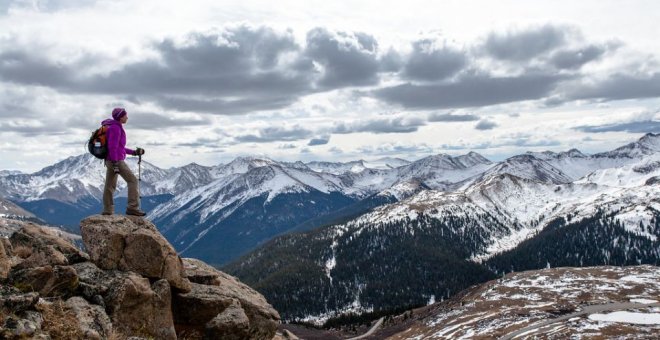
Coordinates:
[354,308]
[644,301]
[628,317]
[331,262]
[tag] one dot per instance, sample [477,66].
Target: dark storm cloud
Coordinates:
[319,141]
[525,44]
[238,62]
[148,120]
[485,124]
[426,62]
[450,117]
[380,125]
[33,128]
[616,87]
[243,64]
[22,67]
[245,69]
[470,91]
[348,59]
[321,136]
[632,127]
[391,61]
[222,106]
[275,134]
[238,70]
[574,59]
[12,107]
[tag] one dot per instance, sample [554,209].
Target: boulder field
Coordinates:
[128,283]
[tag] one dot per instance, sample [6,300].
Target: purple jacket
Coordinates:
[116,137]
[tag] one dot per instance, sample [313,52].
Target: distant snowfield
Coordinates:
[519,300]
[644,301]
[628,317]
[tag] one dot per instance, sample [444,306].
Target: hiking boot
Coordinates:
[135,212]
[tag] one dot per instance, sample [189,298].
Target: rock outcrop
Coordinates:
[214,292]
[46,280]
[38,246]
[132,284]
[132,244]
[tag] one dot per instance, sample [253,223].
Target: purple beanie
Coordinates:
[118,112]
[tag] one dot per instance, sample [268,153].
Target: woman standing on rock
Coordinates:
[115,165]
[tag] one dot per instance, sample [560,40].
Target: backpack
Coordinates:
[98,143]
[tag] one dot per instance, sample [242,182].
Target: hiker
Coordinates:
[115,165]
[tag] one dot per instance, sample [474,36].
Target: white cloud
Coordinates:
[65,64]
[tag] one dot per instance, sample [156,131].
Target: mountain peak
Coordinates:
[246,163]
[194,165]
[574,153]
[437,159]
[472,158]
[646,145]
[651,141]
[529,166]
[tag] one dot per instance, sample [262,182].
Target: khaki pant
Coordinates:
[111,184]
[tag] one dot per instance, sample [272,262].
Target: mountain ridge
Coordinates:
[222,190]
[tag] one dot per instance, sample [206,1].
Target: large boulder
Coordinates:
[202,273]
[230,324]
[135,306]
[46,280]
[38,246]
[131,243]
[199,272]
[140,308]
[212,306]
[94,283]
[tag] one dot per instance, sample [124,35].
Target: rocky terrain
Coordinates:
[130,284]
[558,303]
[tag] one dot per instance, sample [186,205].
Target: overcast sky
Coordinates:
[206,81]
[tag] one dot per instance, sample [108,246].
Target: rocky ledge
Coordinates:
[130,284]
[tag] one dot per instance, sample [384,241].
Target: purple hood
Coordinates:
[116,139]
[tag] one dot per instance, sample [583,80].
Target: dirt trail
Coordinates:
[371,331]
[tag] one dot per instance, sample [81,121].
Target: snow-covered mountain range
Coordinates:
[563,207]
[521,192]
[526,192]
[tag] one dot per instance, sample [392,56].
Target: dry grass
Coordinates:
[22,251]
[59,321]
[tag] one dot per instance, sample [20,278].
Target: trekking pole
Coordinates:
[139,179]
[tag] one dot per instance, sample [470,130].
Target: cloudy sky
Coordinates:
[206,81]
